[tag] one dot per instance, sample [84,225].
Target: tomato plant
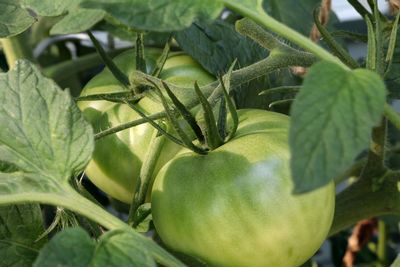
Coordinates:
[117,159]
[252,190]
[241,211]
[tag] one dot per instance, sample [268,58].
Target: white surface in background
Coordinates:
[346,12]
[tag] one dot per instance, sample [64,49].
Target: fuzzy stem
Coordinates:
[381,248]
[392,115]
[146,174]
[266,21]
[359,202]
[16,47]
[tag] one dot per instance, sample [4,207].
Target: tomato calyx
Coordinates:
[210,133]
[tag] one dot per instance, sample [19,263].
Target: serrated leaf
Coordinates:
[76,19]
[74,248]
[43,134]
[332,119]
[158,15]
[13,18]
[70,248]
[215,46]
[20,226]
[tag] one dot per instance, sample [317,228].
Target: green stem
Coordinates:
[70,199]
[359,202]
[124,126]
[16,47]
[281,29]
[359,8]
[381,249]
[75,202]
[146,174]
[66,69]
[392,115]
[239,77]
[336,48]
[375,166]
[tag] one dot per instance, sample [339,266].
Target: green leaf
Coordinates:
[396,263]
[76,19]
[296,14]
[73,247]
[332,119]
[44,132]
[44,135]
[118,248]
[13,18]
[158,15]
[215,46]
[69,248]
[20,226]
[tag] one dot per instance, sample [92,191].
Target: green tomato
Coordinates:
[235,207]
[117,158]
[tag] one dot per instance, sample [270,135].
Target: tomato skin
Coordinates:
[117,158]
[234,206]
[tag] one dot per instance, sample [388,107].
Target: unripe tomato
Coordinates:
[117,158]
[235,207]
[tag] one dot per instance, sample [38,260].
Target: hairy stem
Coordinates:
[66,69]
[16,47]
[392,115]
[266,21]
[274,62]
[359,202]
[375,166]
[146,174]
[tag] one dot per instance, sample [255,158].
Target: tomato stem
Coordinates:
[359,201]
[336,48]
[146,174]
[259,16]
[381,248]
[118,74]
[392,115]
[16,47]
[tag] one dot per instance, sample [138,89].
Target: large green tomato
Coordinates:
[235,207]
[117,158]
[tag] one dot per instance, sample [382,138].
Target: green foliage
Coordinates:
[20,227]
[45,141]
[13,18]
[46,153]
[70,248]
[74,248]
[158,15]
[76,19]
[332,119]
[296,14]
[215,46]
[396,263]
